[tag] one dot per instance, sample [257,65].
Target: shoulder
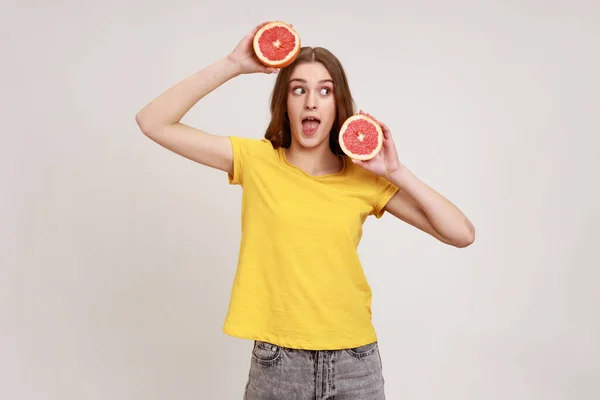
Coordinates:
[358,174]
[375,188]
[249,154]
[251,146]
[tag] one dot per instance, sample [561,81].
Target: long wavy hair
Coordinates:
[278,131]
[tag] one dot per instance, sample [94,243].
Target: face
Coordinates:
[311,105]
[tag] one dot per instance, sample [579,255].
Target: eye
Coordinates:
[298,90]
[325,91]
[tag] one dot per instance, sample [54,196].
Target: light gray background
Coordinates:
[118,256]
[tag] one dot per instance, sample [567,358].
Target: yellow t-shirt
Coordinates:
[299,281]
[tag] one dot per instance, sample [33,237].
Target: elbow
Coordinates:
[149,126]
[142,123]
[466,238]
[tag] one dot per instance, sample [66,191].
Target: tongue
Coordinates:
[309,126]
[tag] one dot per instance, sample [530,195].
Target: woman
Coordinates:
[299,291]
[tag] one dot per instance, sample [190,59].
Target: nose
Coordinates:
[311,101]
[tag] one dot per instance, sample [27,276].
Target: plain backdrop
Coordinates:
[118,256]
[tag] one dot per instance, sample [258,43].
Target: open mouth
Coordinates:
[310,125]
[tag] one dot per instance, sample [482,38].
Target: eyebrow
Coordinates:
[304,80]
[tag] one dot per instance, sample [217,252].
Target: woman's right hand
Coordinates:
[245,59]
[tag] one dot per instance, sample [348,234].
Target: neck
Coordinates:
[314,161]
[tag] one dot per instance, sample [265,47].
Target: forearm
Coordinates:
[170,107]
[444,216]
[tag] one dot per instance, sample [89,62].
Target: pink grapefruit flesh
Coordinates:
[361,137]
[276,44]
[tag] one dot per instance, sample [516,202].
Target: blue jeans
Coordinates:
[280,373]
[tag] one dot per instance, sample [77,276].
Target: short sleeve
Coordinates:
[235,177]
[385,191]
[246,152]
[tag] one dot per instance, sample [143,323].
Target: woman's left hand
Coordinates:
[386,161]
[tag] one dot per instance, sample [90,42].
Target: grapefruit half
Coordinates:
[361,137]
[276,44]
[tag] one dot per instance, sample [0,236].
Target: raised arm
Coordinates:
[416,203]
[160,119]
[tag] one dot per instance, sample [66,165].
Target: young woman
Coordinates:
[299,291]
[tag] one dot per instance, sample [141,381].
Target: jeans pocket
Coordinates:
[363,351]
[265,353]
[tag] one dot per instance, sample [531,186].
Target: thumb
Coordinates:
[268,70]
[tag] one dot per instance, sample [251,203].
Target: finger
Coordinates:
[268,70]
[387,137]
[365,113]
[369,115]
[388,142]
[384,128]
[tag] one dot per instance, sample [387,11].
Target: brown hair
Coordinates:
[278,131]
